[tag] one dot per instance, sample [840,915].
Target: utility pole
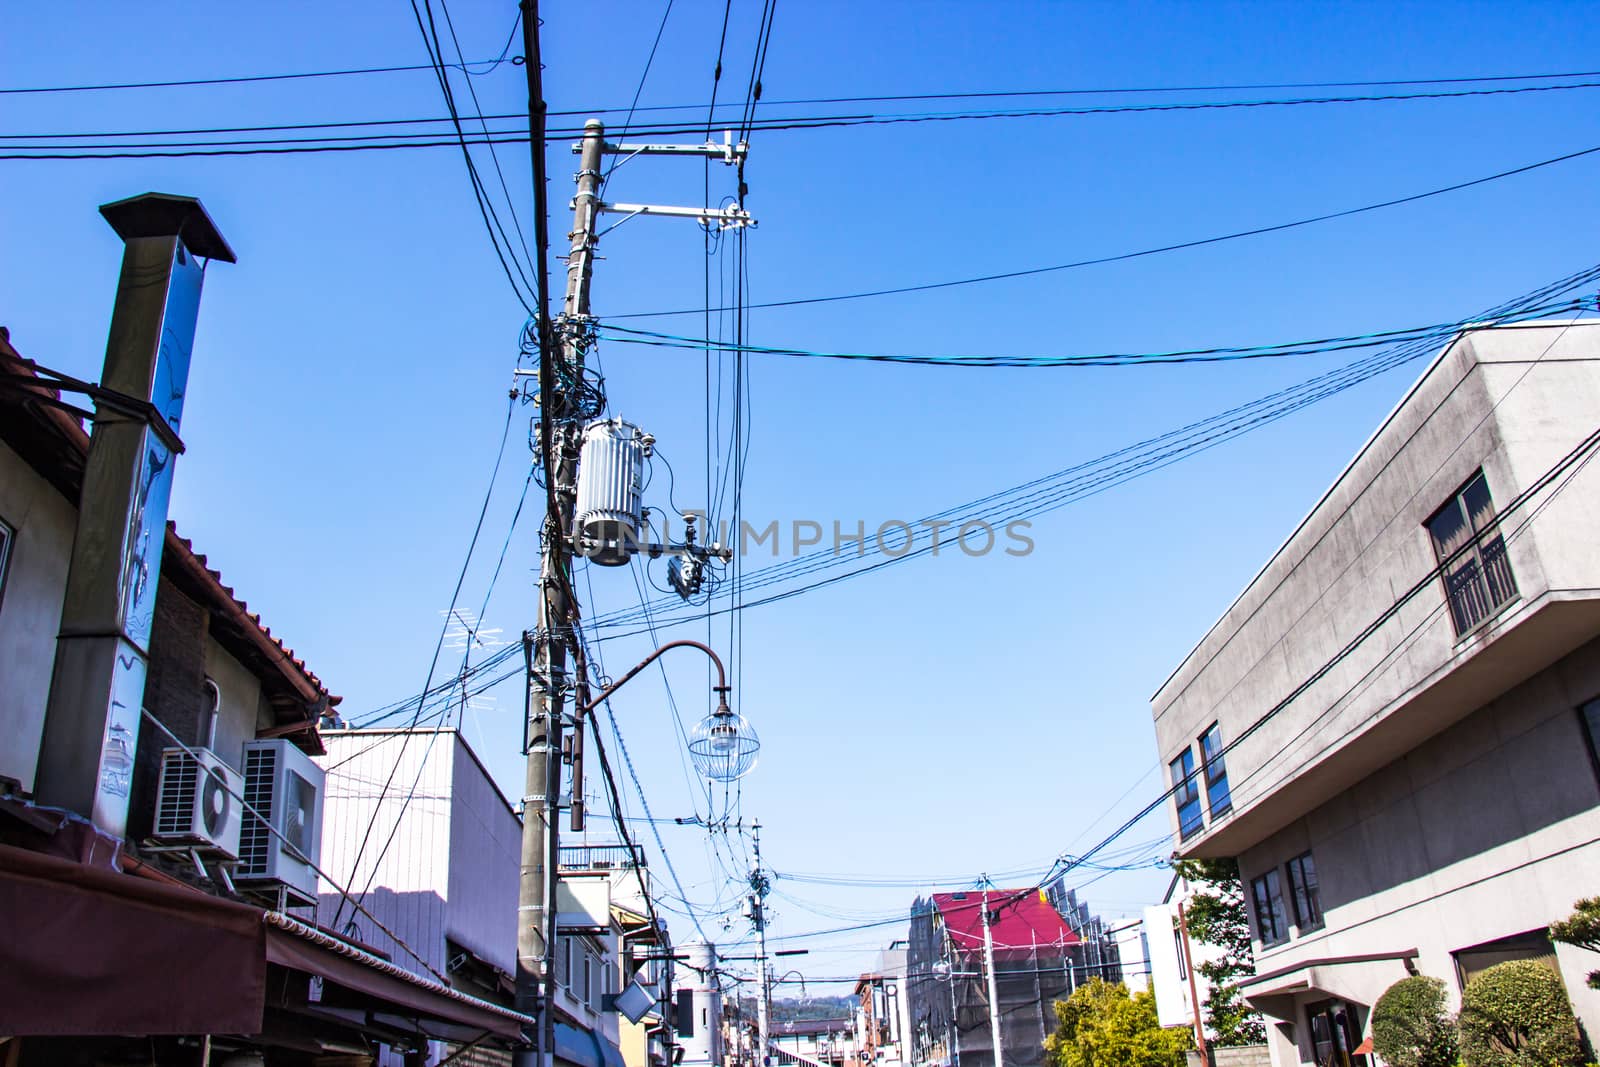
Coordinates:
[759,883]
[559,416]
[566,402]
[994,988]
[1194,993]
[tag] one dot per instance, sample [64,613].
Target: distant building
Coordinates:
[1039,959]
[815,1042]
[883,1020]
[1396,727]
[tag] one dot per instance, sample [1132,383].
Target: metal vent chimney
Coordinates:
[91,726]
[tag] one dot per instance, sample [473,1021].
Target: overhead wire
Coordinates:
[1061,488]
[695,127]
[498,240]
[1320,346]
[427,684]
[242,79]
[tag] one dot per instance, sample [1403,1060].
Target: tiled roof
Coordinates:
[183,544]
[1026,920]
[64,463]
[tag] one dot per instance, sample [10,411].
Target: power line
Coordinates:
[491,218]
[465,68]
[491,64]
[428,682]
[1316,347]
[1141,253]
[1062,488]
[686,128]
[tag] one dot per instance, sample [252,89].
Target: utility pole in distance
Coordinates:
[994,988]
[560,430]
[758,900]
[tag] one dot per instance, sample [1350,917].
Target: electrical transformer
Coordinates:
[610,502]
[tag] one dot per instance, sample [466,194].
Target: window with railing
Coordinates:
[1186,794]
[1218,797]
[1472,552]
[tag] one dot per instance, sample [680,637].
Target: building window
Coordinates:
[1589,718]
[8,536]
[1218,798]
[1186,793]
[1266,892]
[1303,896]
[1472,552]
[588,979]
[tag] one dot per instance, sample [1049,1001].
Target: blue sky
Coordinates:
[946,717]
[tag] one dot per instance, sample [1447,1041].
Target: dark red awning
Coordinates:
[89,951]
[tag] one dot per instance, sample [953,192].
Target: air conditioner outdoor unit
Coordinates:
[197,802]
[285,787]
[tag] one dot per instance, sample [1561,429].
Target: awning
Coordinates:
[585,1048]
[351,976]
[1357,979]
[91,951]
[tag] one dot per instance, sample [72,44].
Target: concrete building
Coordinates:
[1393,728]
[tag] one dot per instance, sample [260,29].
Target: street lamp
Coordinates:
[723,745]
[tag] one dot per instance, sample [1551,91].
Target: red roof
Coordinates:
[1026,919]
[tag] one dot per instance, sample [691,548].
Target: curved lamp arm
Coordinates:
[721,688]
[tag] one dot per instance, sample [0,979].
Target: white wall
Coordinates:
[485,863]
[30,608]
[411,879]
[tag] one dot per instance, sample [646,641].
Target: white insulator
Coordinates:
[610,502]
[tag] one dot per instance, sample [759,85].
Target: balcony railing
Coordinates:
[599,858]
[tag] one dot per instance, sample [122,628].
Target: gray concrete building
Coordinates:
[1394,727]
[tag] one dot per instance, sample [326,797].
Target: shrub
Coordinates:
[1517,1015]
[1103,1025]
[1410,1027]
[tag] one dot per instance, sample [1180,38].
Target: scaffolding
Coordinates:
[949,995]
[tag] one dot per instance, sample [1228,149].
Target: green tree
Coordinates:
[1103,1025]
[1216,916]
[1581,928]
[1517,1015]
[1410,1026]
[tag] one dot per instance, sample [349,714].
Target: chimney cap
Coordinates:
[163,215]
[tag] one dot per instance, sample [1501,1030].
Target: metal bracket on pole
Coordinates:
[725,218]
[729,151]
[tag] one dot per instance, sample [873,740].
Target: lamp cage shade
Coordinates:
[723,746]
